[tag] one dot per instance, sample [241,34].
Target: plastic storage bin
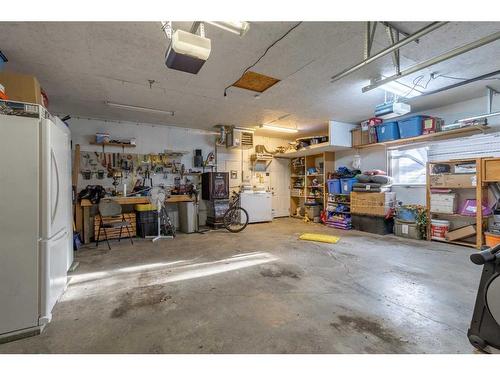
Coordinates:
[411,127]
[372,224]
[469,208]
[146,223]
[346,185]
[388,131]
[407,230]
[492,239]
[406,215]
[333,186]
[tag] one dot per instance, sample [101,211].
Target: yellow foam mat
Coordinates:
[145,207]
[319,237]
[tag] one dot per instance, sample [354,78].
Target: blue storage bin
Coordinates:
[388,131]
[405,214]
[346,185]
[411,127]
[333,186]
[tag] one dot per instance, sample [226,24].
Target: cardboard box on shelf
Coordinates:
[21,87]
[453,181]
[461,233]
[444,203]
[359,137]
[377,204]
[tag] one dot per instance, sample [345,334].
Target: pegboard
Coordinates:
[97,168]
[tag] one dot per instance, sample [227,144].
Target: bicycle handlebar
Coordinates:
[485,256]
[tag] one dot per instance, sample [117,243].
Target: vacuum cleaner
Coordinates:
[484,331]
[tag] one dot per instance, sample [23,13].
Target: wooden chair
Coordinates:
[109,211]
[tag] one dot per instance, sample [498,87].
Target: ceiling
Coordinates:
[83,64]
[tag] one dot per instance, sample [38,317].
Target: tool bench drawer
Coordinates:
[491,170]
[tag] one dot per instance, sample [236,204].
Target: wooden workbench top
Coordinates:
[140,200]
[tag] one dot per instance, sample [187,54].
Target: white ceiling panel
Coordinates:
[82,65]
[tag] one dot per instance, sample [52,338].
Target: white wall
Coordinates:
[376,158]
[157,138]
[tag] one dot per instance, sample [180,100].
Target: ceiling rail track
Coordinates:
[435,60]
[394,47]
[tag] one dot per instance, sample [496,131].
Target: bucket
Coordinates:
[492,239]
[439,229]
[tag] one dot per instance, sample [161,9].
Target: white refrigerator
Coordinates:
[36,234]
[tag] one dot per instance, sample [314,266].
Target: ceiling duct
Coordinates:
[239,138]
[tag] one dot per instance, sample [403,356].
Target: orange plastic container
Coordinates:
[492,239]
[3,96]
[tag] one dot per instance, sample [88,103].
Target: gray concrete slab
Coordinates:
[264,291]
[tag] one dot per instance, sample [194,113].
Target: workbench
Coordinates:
[86,205]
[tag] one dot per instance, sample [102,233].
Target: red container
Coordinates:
[431,125]
[372,129]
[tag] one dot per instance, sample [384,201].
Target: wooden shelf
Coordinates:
[311,161]
[430,137]
[459,215]
[462,243]
[479,194]
[113,144]
[311,150]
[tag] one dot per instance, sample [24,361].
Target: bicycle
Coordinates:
[166,224]
[235,219]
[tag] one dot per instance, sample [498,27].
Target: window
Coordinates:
[408,167]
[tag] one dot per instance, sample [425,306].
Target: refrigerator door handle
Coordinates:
[59,235]
[54,163]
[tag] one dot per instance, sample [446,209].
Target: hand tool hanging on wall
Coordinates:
[147,176]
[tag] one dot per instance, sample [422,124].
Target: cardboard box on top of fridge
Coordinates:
[21,87]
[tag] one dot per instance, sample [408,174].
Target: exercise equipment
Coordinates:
[484,331]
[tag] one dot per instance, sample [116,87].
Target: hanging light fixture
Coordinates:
[278,128]
[236,27]
[137,108]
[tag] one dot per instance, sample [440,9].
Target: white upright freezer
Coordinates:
[35,216]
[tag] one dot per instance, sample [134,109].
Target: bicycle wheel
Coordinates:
[168,226]
[235,219]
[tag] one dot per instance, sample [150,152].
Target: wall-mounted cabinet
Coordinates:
[339,138]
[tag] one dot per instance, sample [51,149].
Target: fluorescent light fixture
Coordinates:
[279,128]
[137,108]
[400,89]
[235,27]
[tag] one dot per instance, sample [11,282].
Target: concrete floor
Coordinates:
[264,291]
